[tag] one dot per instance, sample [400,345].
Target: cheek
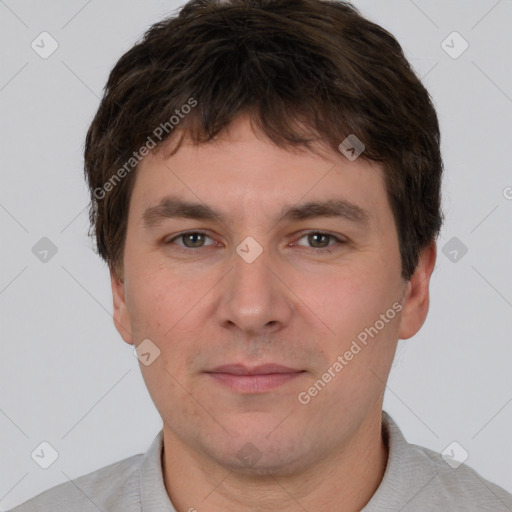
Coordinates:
[351,302]
[354,292]
[154,303]
[169,310]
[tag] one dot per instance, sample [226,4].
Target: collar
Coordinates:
[401,477]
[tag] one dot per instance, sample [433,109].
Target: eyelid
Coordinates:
[178,236]
[339,239]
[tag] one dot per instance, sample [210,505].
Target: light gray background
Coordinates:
[66,375]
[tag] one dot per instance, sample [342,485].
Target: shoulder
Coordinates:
[114,487]
[418,479]
[459,487]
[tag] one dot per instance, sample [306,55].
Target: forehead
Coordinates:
[243,172]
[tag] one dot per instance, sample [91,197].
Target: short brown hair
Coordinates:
[305,71]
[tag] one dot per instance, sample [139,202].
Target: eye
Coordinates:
[190,239]
[320,240]
[317,240]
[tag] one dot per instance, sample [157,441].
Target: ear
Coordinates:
[121,315]
[416,302]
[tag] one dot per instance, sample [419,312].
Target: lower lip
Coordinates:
[254,383]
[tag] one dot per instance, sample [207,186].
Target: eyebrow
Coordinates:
[172,207]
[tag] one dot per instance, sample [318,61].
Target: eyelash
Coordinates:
[327,249]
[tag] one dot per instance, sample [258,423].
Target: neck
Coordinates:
[344,481]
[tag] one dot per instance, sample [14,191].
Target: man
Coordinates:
[265,183]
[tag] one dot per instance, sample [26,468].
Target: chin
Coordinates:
[263,451]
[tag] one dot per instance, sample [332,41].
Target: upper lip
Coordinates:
[262,369]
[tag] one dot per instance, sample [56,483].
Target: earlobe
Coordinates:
[120,315]
[416,303]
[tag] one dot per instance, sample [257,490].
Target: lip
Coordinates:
[257,379]
[262,369]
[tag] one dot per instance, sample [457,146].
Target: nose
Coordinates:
[254,298]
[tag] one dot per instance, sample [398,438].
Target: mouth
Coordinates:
[257,379]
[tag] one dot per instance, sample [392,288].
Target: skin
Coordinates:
[206,306]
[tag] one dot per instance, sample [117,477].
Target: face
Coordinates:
[275,302]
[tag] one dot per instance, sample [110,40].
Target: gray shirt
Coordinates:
[416,480]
